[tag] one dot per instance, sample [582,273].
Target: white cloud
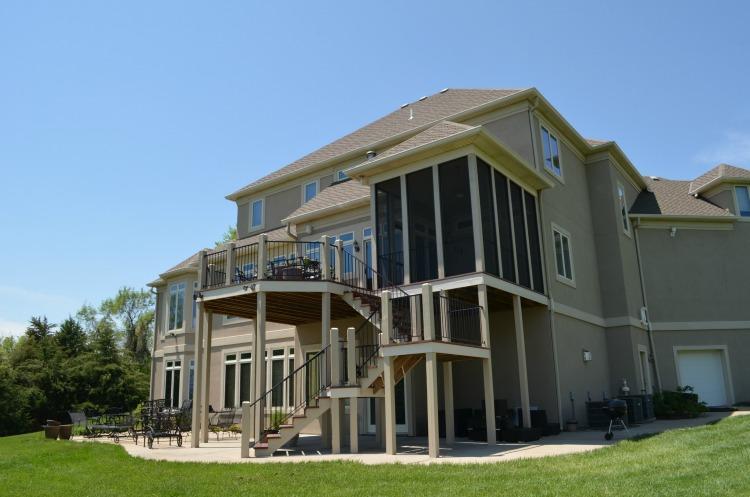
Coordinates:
[11,328]
[733,148]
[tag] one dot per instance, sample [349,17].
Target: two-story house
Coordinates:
[467,255]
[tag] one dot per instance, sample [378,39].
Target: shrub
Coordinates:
[679,404]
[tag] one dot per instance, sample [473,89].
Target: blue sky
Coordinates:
[124,124]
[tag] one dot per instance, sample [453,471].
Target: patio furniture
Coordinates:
[163,425]
[65,432]
[113,425]
[51,429]
[222,421]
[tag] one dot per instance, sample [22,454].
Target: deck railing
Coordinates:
[215,272]
[457,321]
[245,263]
[293,261]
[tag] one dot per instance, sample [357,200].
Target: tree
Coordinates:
[39,328]
[71,337]
[229,235]
[133,310]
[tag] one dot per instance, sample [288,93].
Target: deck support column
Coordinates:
[433,433]
[198,406]
[351,373]
[247,427]
[335,426]
[450,427]
[489,387]
[325,340]
[259,362]
[379,422]
[523,378]
[209,324]
[390,405]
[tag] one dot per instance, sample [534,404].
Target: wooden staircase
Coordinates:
[274,441]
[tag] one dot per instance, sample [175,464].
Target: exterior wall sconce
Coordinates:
[587,356]
[356,246]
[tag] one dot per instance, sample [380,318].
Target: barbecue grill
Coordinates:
[617,410]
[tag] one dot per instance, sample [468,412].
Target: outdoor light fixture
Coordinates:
[356,246]
[587,356]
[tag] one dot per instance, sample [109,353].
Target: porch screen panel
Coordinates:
[422,233]
[505,227]
[489,233]
[519,230]
[455,210]
[390,231]
[535,250]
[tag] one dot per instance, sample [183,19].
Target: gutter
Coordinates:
[649,329]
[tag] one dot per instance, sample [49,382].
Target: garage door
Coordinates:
[704,371]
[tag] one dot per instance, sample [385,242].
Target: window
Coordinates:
[172,383]
[341,175]
[551,152]
[237,376]
[191,378]
[277,374]
[311,189]
[256,214]
[230,375]
[563,257]
[245,368]
[347,240]
[623,203]
[743,200]
[366,233]
[176,305]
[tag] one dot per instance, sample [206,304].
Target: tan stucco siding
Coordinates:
[515,132]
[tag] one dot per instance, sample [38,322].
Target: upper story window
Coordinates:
[563,255]
[311,190]
[341,175]
[256,214]
[623,204]
[743,200]
[551,152]
[176,305]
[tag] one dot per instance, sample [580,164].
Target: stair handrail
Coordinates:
[285,413]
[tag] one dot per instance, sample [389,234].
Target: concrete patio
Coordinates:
[411,450]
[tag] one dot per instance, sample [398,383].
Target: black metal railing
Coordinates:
[303,388]
[216,269]
[293,261]
[391,266]
[368,343]
[245,263]
[457,321]
[406,311]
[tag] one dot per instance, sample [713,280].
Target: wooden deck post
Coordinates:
[262,256]
[198,406]
[433,434]
[259,360]
[489,386]
[523,377]
[246,428]
[428,314]
[209,324]
[230,263]
[325,258]
[450,427]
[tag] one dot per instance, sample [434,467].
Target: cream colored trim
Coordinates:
[684,223]
[728,384]
[700,325]
[561,278]
[586,317]
[495,115]
[434,347]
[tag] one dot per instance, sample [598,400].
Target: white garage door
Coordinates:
[704,371]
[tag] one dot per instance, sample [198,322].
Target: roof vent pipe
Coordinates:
[371,154]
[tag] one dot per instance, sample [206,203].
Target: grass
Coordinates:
[709,460]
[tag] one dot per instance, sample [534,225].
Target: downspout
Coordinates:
[153,345]
[649,329]
[551,306]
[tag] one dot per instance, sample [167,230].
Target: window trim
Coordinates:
[169,306]
[622,205]
[170,365]
[337,176]
[737,201]
[559,176]
[315,182]
[262,214]
[561,278]
[237,361]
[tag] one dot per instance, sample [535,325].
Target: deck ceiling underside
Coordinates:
[499,300]
[293,308]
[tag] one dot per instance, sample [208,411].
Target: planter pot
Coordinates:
[571,426]
[51,432]
[65,431]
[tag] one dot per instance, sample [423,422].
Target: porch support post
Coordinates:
[259,361]
[262,256]
[390,405]
[209,326]
[428,314]
[523,378]
[198,405]
[433,434]
[379,422]
[325,258]
[336,377]
[339,262]
[335,426]
[246,428]
[351,373]
[353,425]
[450,427]
[230,263]
[489,387]
[325,340]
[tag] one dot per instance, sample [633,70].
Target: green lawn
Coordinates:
[710,460]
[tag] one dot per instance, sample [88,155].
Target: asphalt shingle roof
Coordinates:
[415,115]
[720,171]
[336,194]
[441,130]
[672,197]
